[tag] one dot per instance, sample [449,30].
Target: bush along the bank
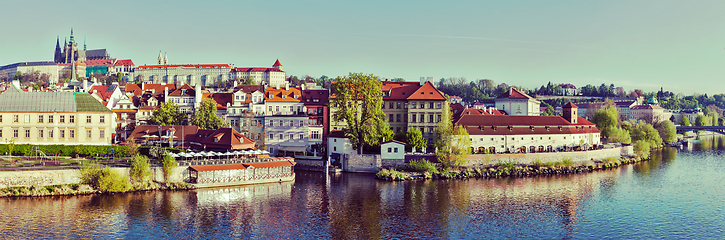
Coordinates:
[508,169]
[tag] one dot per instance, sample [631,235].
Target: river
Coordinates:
[678,194]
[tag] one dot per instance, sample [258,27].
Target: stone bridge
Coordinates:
[715,129]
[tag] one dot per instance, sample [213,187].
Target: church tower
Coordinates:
[160,58]
[58,54]
[277,65]
[166,59]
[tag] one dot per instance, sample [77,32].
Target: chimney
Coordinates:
[302,87]
[197,97]
[95,90]
[286,86]
[422,81]
[277,86]
[142,86]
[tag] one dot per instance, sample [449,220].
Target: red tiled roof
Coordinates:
[399,90]
[101,91]
[100,62]
[322,96]
[186,65]
[639,107]
[221,99]
[126,62]
[283,163]
[185,90]
[568,85]
[570,105]
[278,93]
[514,93]
[228,139]
[522,125]
[277,64]
[509,120]
[256,70]
[189,132]
[427,92]
[247,88]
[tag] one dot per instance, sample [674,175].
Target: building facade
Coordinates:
[516,102]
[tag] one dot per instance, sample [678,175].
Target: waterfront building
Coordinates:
[286,129]
[316,106]
[408,105]
[273,76]
[54,118]
[246,112]
[516,102]
[649,112]
[522,134]
[186,97]
[690,114]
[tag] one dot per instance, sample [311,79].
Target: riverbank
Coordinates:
[84,189]
[510,169]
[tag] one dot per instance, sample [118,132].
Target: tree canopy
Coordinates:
[414,138]
[606,119]
[454,144]
[357,99]
[205,117]
[167,114]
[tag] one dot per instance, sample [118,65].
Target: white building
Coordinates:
[50,68]
[192,74]
[186,97]
[286,124]
[510,134]
[515,102]
[392,150]
[273,76]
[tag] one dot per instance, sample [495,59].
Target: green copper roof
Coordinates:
[86,103]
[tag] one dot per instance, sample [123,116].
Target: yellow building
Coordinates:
[45,118]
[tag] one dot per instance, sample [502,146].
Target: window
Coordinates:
[398,105]
[431,129]
[72,133]
[390,117]
[50,118]
[395,149]
[397,117]
[271,136]
[412,105]
[315,135]
[50,133]
[439,118]
[102,134]
[270,108]
[27,118]
[391,105]
[438,105]
[88,119]
[412,117]
[422,105]
[62,133]
[72,119]
[390,149]
[1,133]
[40,118]
[406,106]
[1,118]
[89,134]
[334,148]
[15,118]
[15,133]
[430,105]
[302,136]
[430,119]
[27,133]
[103,119]
[383,106]
[281,137]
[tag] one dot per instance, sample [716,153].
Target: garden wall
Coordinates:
[70,176]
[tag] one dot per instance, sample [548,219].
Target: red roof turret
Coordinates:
[277,64]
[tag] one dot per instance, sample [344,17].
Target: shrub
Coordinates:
[506,164]
[112,181]
[140,168]
[567,161]
[537,162]
[390,173]
[422,166]
[642,149]
[89,174]
[169,163]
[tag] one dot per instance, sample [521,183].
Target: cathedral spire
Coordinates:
[84,43]
[58,54]
[160,58]
[166,59]
[72,41]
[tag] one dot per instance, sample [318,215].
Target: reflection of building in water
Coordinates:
[246,194]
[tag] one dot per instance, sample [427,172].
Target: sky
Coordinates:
[648,45]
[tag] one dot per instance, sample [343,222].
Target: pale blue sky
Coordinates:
[678,45]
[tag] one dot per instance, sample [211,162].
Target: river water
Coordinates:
[678,194]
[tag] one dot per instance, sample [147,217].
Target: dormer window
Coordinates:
[271,96]
[216,139]
[296,96]
[284,96]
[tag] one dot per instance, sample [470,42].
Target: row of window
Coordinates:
[532,138]
[51,118]
[286,136]
[51,133]
[413,105]
[286,123]
[414,118]
[422,129]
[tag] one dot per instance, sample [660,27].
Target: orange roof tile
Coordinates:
[278,93]
[427,92]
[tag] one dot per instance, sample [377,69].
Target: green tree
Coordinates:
[454,144]
[667,131]
[684,121]
[205,117]
[249,80]
[358,101]
[414,138]
[140,168]
[701,121]
[619,135]
[606,119]
[645,131]
[19,76]
[167,114]
[169,164]
[642,149]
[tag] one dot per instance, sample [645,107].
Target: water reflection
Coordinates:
[344,206]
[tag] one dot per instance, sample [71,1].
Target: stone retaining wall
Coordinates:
[528,158]
[367,163]
[70,176]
